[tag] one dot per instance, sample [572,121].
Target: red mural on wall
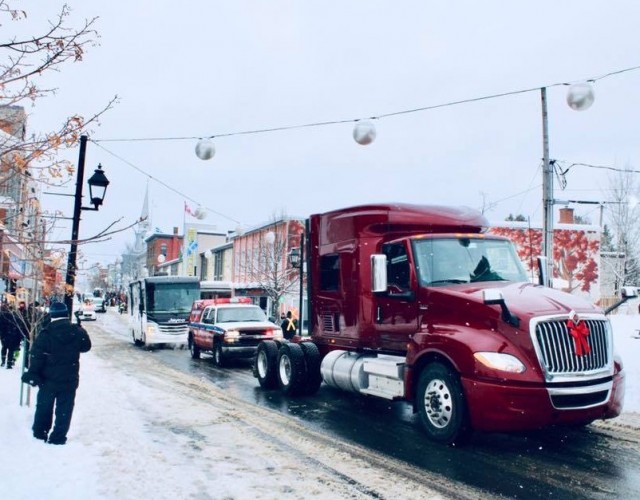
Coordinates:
[574,254]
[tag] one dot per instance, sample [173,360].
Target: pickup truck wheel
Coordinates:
[218,355]
[441,405]
[194,349]
[292,370]
[312,360]
[266,364]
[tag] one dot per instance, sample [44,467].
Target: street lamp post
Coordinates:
[98,183]
[296,259]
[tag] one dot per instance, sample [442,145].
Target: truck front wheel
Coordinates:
[292,370]
[441,405]
[266,364]
[218,356]
[194,349]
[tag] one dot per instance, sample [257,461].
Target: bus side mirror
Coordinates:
[378,273]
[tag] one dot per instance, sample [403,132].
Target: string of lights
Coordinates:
[365,136]
[580,97]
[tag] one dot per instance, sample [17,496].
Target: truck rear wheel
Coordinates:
[312,360]
[441,405]
[292,370]
[266,364]
[194,349]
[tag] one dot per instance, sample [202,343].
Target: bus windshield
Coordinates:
[171,297]
[443,261]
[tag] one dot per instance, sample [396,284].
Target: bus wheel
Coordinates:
[292,371]
[312,361]
[218,356]
[194,349]
[441,405]
[266,364]
[136,342]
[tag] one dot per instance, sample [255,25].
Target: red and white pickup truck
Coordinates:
[231,327]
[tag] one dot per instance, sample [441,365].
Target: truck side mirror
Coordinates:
[629,292]
[378,273]
[542,270]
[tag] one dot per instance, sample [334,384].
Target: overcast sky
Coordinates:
[205,68]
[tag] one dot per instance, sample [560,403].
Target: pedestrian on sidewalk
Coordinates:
[55,367]
[11,337]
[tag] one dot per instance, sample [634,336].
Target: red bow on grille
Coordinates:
[579,332]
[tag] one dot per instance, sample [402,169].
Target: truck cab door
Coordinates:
[396,310]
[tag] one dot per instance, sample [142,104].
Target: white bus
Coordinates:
[159,308]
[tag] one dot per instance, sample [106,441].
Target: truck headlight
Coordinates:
[231,336]
[151,329]
[500,361]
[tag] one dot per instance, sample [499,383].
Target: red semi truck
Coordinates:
[419,303]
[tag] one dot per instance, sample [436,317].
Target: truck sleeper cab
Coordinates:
[419,303]
[228,327]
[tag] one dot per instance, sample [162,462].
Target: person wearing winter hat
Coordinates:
[54,368]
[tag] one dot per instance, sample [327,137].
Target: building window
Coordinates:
[218,266]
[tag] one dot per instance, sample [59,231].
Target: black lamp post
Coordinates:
[296,259]
[98,183]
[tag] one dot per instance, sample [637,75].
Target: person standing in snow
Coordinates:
[289,326]
[10,337]
[55,367]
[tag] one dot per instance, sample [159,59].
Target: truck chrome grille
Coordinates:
[557,347]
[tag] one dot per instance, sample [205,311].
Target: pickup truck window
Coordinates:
[246,313]
[443,261]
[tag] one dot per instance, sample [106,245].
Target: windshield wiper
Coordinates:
[454,281]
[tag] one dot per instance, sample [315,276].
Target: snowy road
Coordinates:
[346,447]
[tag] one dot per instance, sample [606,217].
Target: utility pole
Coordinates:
[547,193]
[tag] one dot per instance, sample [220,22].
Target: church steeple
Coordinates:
[142,229]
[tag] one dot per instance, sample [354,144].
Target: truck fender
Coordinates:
[413,372]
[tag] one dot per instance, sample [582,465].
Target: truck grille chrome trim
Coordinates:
[556,349]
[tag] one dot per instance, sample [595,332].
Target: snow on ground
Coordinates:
[131,440]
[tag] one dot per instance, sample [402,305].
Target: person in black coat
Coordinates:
[55,367]
[11,337]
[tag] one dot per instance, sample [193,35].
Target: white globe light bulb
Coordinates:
[161,258]
[364,133]
[270,237]
[580,96]
[205,150]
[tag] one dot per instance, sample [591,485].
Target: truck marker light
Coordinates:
[500,361]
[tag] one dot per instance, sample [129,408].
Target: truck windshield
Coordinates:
[171,297]
[247,313]
[442,261]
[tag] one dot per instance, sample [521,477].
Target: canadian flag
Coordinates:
[198,213]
